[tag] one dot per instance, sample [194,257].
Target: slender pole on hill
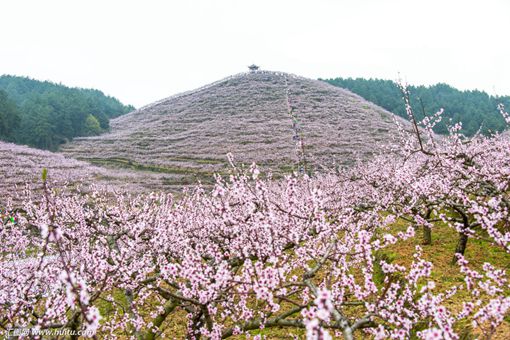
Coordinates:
[298,136]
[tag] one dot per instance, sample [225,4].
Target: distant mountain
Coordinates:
[475,109]
[43,114]
[260,117]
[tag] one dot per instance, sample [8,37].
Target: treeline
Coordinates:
[44,115]
[475,109]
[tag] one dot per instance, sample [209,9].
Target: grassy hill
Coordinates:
[261,117]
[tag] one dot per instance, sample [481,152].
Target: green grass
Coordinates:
[129,164]
[446,275]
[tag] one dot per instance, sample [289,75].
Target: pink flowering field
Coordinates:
[410,243]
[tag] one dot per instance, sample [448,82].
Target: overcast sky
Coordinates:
[143,51]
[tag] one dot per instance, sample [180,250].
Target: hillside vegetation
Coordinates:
[44,115]
[21,168]
[475,109]
[280,121]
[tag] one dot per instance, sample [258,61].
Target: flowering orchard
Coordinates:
[256,255]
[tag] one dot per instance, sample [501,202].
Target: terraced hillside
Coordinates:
[277,120]
[21,166]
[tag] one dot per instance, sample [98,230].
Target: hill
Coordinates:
[21,166]
[43,114]
[261,117]
[475,109]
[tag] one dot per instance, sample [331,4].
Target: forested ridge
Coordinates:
[43,114]
[475,109]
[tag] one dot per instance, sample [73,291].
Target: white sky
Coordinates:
[142,51]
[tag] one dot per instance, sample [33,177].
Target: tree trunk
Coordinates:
[427,235]
[427,232]
[169,307]
[461,246]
